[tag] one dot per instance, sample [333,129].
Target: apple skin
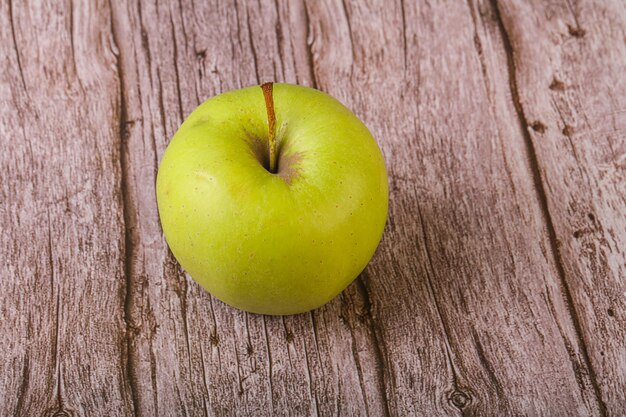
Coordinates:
[267,243]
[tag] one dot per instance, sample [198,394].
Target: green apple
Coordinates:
[273,198]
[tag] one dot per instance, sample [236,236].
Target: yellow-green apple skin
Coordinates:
[273,243]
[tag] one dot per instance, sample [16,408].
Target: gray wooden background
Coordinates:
[499,287]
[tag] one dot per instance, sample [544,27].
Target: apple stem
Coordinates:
[271,122]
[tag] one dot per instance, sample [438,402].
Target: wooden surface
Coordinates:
[499,287]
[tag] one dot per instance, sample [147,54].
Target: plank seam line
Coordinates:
[125,203]
[543,202]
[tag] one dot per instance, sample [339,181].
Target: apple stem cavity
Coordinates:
[271,123]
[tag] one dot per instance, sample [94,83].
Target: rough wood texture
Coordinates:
[62,241]
[576,113]
[500,284]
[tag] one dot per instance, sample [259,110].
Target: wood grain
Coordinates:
[498,288]
[467,235]
[570,78]
[62,247]
[219,359]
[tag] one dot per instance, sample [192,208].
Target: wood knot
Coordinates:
[557,85]
[576,31]
[538,127]
[568,130]
[60,413]
[610,312]
[214,339]
[459,399]
[289,337]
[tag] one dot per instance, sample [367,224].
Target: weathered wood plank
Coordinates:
[463,255]
[190,352]
[62,247]
[569,65]
[498,287]
[334,66]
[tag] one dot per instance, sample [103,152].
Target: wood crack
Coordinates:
[577,369]
[543,202]
[404,40]
[161,106]
[315,339]
[232,44]
[204,382]
[144,40]
[239,380]
[182,22]
[60,410]
[72,48]
[479,52]
[175,65]
[50,257]
[338,405]
[128,208]
[254,57]
[269,363]
[308,373]
[214,338]
[442,321]
[56,338]
[359,370]
[347,16]
[379,355]
[308,46]
[480,351]
[15,48]
[153,378]
[24,384]
[182,298]
[280,40]
[488,92]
